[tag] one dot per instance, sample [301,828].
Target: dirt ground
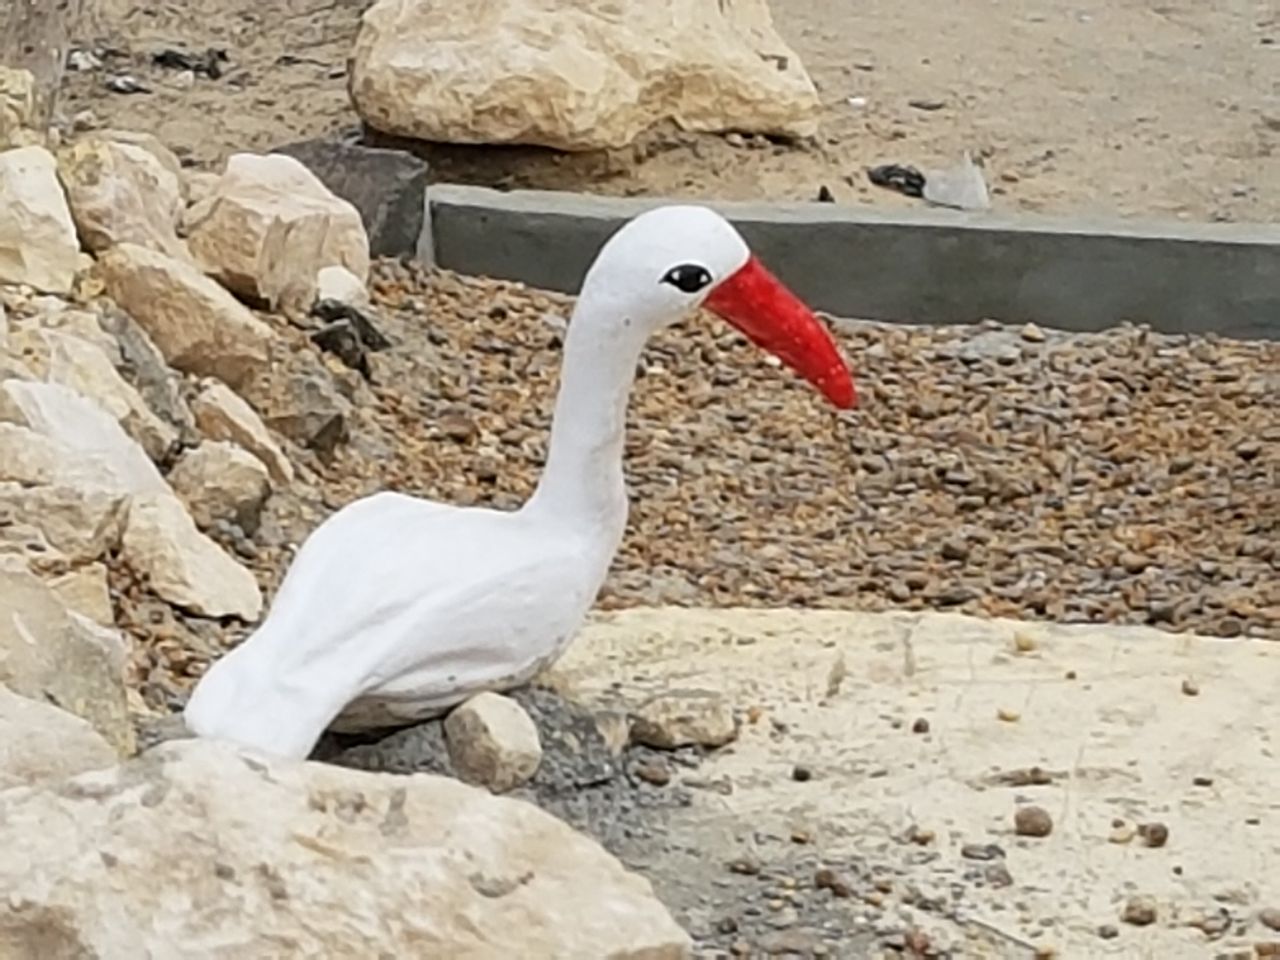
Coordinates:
[1162,110]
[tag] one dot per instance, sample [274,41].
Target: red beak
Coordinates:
[774,318]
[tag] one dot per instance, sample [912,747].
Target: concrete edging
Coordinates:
[928,266]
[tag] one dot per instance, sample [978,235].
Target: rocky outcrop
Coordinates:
[573,75]
[198,326]
[52,655]
[38,243]
[122,193]
[197,849]
[270,226]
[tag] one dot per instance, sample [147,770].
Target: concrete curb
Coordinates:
[927,266]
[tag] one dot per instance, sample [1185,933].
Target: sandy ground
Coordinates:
[1168,110]
[1127,726]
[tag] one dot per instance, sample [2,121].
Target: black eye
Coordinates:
[688,277]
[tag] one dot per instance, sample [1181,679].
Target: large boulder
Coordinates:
[38,244]
[269,227]
[576,75]
[55,656]
[122,193]
[198,850]
[198,326]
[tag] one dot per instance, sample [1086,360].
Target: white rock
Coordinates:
[38,244]
[340,284]
[221,481]
[197,325]
[198,851]
[41,744]
[122,193]
[85,447]
[493,742]
[269,228]
[53,655]
[80,365]
[221,414]
[182,565]
[575,76]
[681,718]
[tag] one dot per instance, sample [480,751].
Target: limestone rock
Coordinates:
[83,525]
[122,193]
[220,481]
[150,143]
[52,655]
[182,565]
[305,859]
[197,325]
[388,187]
[85,591]
[69,440]
[17,109]
[41,744]
[574,75]
[271,225]
[81,366]
[493,742]
[681,718]
[343,286]
[38,244]
[222,415]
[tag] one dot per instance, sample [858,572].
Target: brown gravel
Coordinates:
[1123,477]
[984,472]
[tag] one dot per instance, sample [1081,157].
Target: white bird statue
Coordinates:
[397,608]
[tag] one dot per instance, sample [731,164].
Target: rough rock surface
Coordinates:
[122,193]
[221,482]
[222,415]
[38,244]
[388,187]
[81,523]
[330,862]
[301,399]
[198,326]
[40,743]
[17,106]
[182,565]
[52,655]
[576,76]
[493,742]
[270,226]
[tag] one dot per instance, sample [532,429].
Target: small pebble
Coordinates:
[828,879]
[1108,931]
[1032,821]
[1202,781]
[921,725]
[1023,642]
[1190,688]
[1270,917]
[801,774]
[651,771]
[1154,834]
[1008,716]
[1139,911]
[981,851]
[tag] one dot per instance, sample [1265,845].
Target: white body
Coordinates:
[397,608]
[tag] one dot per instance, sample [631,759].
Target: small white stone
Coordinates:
[493,742]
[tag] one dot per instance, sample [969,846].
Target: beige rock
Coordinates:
[492,742]
[271,226]
[574,75]
[197,325]
[308,860]
[41,744]
[221,481]
[17,108]
[38,244]
[69,440]
[122,193]
[82,366]
[82,524]
[340,284]
[51,654]
[182,565]
[85,590]
[302,399]
[681,718]
[221,414]
[150,143]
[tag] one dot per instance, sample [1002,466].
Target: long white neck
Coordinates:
[582,483]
